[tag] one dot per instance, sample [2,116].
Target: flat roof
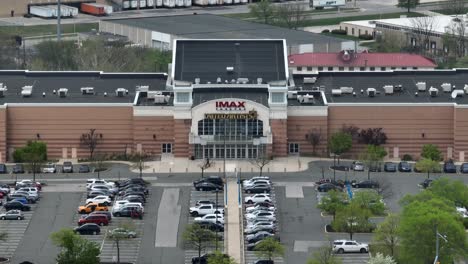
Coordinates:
[210,60]
[207,26]
[47,82]
[407,79]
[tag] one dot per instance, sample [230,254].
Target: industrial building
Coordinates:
[160,32]
[20,7]
[233,99]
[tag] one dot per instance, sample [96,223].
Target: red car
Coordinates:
[96,219]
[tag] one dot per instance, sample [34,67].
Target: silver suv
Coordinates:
[342,246]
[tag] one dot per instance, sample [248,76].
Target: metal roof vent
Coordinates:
[371,92]
[105,94]
[142,88]
[457,93]
[43,94]
[416,94]
[305,99]
[259,80]
[446,87]
[54,91]
[421,86]
[62,92]
[87,90]
[197,80]
[230,69]
[310,80]
[243,80]
[26,91]
[433,91]
[218,80]
[121,92]
[3,90]
[346,90]
[388,89]
[292,94]
[466,88]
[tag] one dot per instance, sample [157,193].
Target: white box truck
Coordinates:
[320,4]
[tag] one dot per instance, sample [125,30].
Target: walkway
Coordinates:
[234,221]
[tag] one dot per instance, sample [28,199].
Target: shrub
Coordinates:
[326,31]
[366,37]
[407,157]
[339,31]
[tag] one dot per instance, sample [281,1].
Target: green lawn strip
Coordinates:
[28,31]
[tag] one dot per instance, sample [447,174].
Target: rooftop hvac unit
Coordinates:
[259,80]
[398,88]
[466,88]
[2,90]
[160,98]
[292,94]
[62,92]
[26,91]
[305,99]
[310,80]
[197,80]
[457,93]
[446,87]
[142,88]
[87,90]
[218,80]
[346,90]
[433,91]
[336,92]
[229,69]
[421,86]
[315,89]
[121,92]
[243,80]
[371,92]
[388,89]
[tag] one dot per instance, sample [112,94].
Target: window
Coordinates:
[433,45]
[330,68]
[341,68]
[320,68]
[362,68]
[299,68]
[393,68]
[415,68]
[346,29]
[293,148]
[309,68]
[383,68]
[367,33]
[351,68]
[359,32]
[372,68]
[183,97]
[352,31]
[403,68]
[277,97]
[167,148]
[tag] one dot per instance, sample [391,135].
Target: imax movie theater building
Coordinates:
[233,99]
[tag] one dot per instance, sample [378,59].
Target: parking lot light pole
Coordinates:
[216,215]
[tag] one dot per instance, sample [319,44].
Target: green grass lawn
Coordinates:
[450,12]
[29,31]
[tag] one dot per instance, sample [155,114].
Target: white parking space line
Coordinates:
[303,246]
[168,219]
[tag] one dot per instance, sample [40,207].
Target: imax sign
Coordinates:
[230,105]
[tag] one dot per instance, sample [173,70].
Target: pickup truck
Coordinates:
[205,209]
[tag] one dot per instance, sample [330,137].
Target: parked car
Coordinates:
[137,206]
[251,246]
[215,218]
[464,168]
[204,258]
[67,167]
[449,167]
[253,221]
[200,202]
[357,166]
[344,246]
[84,168]
[246,184]
[404,166]
[215,227]
[127,211]
[259,208]
[135,188]
[18,168]
[271,229]
[14,196]
[254,225]
[258,236]
[366,184]
[134,199]
[32,197]
[426,183]
[96,219]
[264,261]
[264,204]
[16,205]
[21,200]
[91,207]
[90,182]
[49,168]
[93,194]
[260,197]
[28,183]
[3,168]
[122,232]
[211,179]
[208,186]
[205,209]
[106,213]
[131,181]
[256,178]
[390,167]
[328,187]
[375,167]
[261,188]
[5,188]
[265,214]
[12,215]
[88,229]
[106,200]
[99,187]
[29,189]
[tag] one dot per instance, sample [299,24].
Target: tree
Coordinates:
[198,237]
[333,202]
[291,14]
[455,191]
[9,52]
[385,187]
[117,237]
[419,221]
[55,55]
[427,166]
[379,258]
[74,248]
[204,165]
[314,137]
[454,6]
[324,255]
[340,143]
[386,234]
[269,248]
[431,152]
[139,163]
[352,130]
[423,29]
[262,10]
[370,200]
[352,219]
[408,4]
[99,163]
[373,136]
[34,154]
[454,38]
[372,157]
[261,160]
[220,258]
[91,140]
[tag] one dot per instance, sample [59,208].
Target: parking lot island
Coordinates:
[234,248]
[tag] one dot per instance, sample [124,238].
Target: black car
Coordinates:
[259,237]
[426,183]
[215,227]
[18,168]
[325,187]
[390,167]
[211,179]
[84,168]
[136,188]
[88,229]
[464,168]
[208,186]
[261,188]
[3,168]
[449,167]
[204,258]
[251,246]
[16,205]
[366,184]
[375,167]
[264,261]
[404,166]
[124,183]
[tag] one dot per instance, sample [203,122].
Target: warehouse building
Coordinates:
[20,7]
[160,32]
[233,99]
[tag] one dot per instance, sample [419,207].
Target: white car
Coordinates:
[90,182]
[29,189]
[49,168]
[210,218]
[255,182]
[263,214]
[128,204]
[259,208]
[30,194]
[99,187]
[259,197]
[100,199]
[343,246]
[251,226]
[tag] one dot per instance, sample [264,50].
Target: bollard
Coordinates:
[186,170]
[154,171]
[251,169]
[284,169]
[170,170]
[219,170]
[268,169]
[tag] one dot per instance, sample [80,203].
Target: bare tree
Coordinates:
[91,140]
[261,160]
[385,187]
[263,10]
[292,14]
[204,165]
[455,37]
[314,137]
[423,28]
[352,130]
[139,163]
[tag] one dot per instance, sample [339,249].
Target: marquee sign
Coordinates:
[250,115]
[230,105]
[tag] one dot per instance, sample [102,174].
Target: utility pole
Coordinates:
[58,20]
[436,259]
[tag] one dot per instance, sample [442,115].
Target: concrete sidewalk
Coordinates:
[234,219]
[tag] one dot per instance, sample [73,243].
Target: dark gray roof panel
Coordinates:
[208,60]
